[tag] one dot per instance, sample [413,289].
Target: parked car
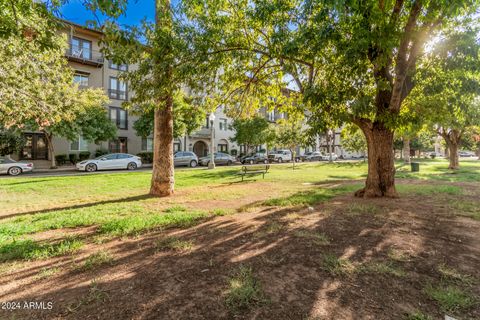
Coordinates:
[314,156]
[219,158]
[326,157]
[434,154]
[256,158]
[110,162]
[185,158]
[303,157]
[280,156]
[466,154]
[14,168]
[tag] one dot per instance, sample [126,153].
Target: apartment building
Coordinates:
[91,69]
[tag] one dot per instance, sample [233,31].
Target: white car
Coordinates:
[111,162]
[13,167]
[326,157]
[280,156]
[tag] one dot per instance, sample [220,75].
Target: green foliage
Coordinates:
[353,139]
[187,117]
[97,259]
[251,132]
[147,157]
[61,159]
[100,152]
[73,157]
[448,83]
[84,155]
[11,141]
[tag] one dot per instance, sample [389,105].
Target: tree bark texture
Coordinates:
[51,150]
[162,183]
[453,140]
[163,168]
[381,168]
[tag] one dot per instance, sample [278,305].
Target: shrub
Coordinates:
[84,155]
[72,157]
[147,157]
[100,152]
[61,159]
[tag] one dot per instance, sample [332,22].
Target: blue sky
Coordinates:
[137,10]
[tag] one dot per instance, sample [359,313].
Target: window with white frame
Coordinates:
[223,124]
[81,79]
[79,145]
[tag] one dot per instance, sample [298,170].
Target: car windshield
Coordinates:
[6,160]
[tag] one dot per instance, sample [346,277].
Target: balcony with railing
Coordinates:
[85,56]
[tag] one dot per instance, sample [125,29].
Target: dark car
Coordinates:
[220,158]
[256,158]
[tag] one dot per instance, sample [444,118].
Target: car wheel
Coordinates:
[193,164]
[91,167]
[265,161]
[132,166]
[251,162]
[229,162]
[280,160]
[14,171]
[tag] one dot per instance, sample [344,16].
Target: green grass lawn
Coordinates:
[118,204]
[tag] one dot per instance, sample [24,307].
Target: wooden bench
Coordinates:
[254,170]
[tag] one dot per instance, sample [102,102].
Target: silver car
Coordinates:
[110,162]
[13,167]
[185,158]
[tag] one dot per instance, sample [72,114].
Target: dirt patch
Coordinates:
[374,261]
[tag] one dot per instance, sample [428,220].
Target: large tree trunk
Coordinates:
[453,140]
[406,150]
[51,150]
[381,168]
[453,155]
[163,170]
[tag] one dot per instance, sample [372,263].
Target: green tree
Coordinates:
[251,132]
[448,83]
[187,117]
[291,134]
[11,141]
[353,139]
[38,92]
[351,61]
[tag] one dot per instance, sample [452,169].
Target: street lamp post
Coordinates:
[330,136]
[211,163]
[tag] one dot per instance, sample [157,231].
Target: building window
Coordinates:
[223,124]
[79,145]
[118,145]
[119,116]
[81,79]
[207,123]
[118,89]
[147,144]
[120,67]
[176,147]
[222,148]
[271,116]
[81,48]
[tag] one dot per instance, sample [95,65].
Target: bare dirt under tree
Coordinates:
[416,234]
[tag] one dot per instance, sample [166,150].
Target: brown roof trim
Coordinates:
[79,26]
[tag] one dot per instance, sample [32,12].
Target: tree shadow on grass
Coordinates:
[79,206]
[299,277]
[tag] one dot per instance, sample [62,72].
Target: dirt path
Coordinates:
[389,251]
